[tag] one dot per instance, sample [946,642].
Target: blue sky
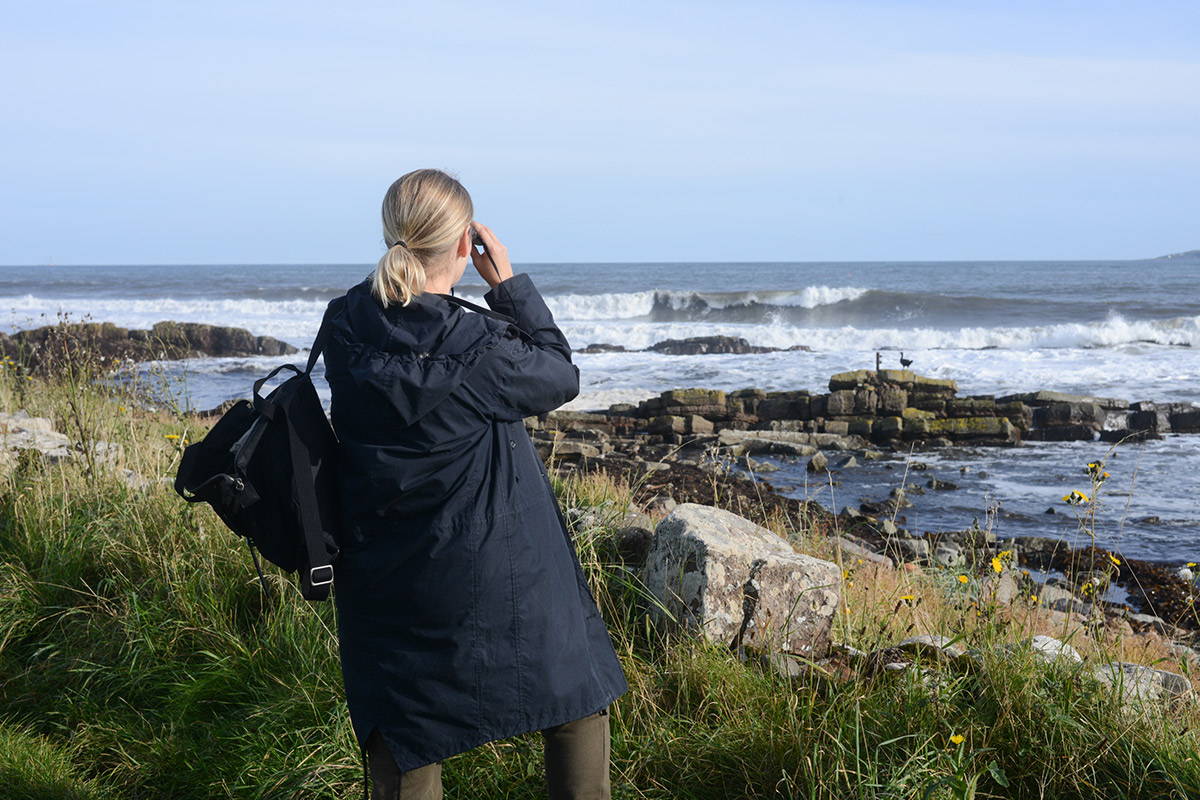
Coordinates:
[220,132]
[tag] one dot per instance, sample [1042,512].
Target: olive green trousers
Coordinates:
[577,761]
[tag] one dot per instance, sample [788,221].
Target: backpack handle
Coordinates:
[267,409]
[318,345]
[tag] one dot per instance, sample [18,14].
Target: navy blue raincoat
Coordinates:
[463,613]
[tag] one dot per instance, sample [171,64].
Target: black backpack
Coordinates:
[267,468]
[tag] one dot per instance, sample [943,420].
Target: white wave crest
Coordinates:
[294,321]
[1110,332]
[631,305]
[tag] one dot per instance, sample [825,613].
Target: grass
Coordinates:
[138,660]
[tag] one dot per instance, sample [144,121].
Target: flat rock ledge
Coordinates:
[866,412]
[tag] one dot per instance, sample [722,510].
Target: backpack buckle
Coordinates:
[312,575]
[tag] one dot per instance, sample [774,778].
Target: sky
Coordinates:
[267,132]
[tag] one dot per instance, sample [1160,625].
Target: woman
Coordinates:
[463,613]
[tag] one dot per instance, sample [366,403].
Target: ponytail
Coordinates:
[398,276]
[424,214]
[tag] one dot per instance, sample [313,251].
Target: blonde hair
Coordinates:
[424,213]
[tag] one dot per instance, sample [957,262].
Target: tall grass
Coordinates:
[138,660]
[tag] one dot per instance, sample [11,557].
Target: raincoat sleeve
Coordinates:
[530,378]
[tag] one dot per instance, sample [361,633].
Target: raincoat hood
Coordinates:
[414,355]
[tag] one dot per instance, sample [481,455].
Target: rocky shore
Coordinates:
[681,447]
[863,411]
[39,348]
[740,585]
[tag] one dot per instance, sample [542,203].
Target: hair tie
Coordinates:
[401,243]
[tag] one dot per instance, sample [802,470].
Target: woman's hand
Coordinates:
[494,269]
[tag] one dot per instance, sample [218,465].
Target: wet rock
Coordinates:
[886,429]
[1186,421]
[899,498]
[740,584]
[697,345]
[892,400]
[996,430]
[601,347]
[818,463]
[978,406]
[840,402]
[836,427]
[940,485]
[1047,397]
[783,405]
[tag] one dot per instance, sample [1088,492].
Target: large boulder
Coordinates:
[739,584]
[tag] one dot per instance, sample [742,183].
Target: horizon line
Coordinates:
[1184,256]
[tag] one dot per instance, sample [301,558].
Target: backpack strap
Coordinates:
[314,584]
[487,312]
[322,337]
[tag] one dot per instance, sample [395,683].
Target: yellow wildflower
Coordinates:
[958,738]
[1076,498]
[1033,598]
[171,435]
[962,578]
[997,564]
[909,597]
[1114,559]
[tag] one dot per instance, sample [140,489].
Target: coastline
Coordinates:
[126,617]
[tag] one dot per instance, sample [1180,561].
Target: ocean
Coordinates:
[1128,329]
